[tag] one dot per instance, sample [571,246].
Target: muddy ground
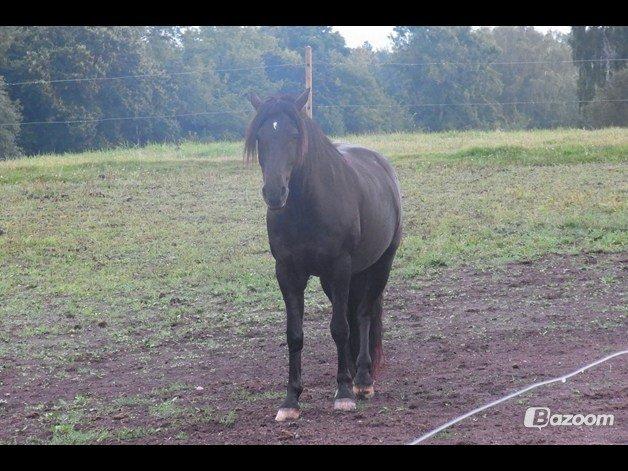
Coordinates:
[453,341]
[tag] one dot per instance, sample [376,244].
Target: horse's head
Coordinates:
[277,135]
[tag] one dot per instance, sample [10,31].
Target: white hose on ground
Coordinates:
[514,394]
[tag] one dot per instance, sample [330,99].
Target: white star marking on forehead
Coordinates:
[275,125]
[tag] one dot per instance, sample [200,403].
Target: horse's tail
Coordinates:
[375,337]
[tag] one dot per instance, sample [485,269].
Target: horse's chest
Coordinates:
[311,248]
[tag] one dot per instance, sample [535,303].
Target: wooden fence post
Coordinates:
[308,79]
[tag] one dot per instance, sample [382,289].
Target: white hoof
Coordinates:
[284,414]
[365,392]
[344,404]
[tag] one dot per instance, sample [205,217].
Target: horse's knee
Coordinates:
[295,341]
[339,330]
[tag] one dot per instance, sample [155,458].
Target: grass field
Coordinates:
[111,252]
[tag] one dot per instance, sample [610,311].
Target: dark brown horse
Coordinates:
[334,211]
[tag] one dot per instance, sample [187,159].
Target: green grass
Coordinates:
[166,241]
[65,419]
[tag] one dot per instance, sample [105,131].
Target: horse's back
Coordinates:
[369,164]
[361,158]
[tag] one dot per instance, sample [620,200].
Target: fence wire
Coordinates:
[273,66]
[242,115]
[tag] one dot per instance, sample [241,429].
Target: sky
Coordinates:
[378,35]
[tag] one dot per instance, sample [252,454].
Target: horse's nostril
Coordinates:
[275,195]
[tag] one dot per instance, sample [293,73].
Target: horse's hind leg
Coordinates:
[337,282]
[369,314]
[356,294]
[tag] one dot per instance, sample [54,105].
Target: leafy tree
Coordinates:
[164,44]
[58,53]
[451,73]
[192,82]
[323,39]
[539,71]
[348,93]
[233,61]
[328,47]
[362,100]
[602,44]
[9,113]
[608,109]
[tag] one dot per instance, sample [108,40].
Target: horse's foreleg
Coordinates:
[339,283]
[292,287]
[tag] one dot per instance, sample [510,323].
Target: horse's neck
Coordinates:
[321,174]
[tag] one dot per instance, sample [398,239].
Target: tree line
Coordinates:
[191,83]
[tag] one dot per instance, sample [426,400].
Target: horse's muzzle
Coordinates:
[275,200]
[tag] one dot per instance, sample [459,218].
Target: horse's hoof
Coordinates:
[344,404]
[284,414]
[364,392]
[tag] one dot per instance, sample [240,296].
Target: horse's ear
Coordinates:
[302,99]
[255,100]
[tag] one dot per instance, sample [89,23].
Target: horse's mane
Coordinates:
[311,137]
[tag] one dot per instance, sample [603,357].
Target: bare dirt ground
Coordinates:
[453,341]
